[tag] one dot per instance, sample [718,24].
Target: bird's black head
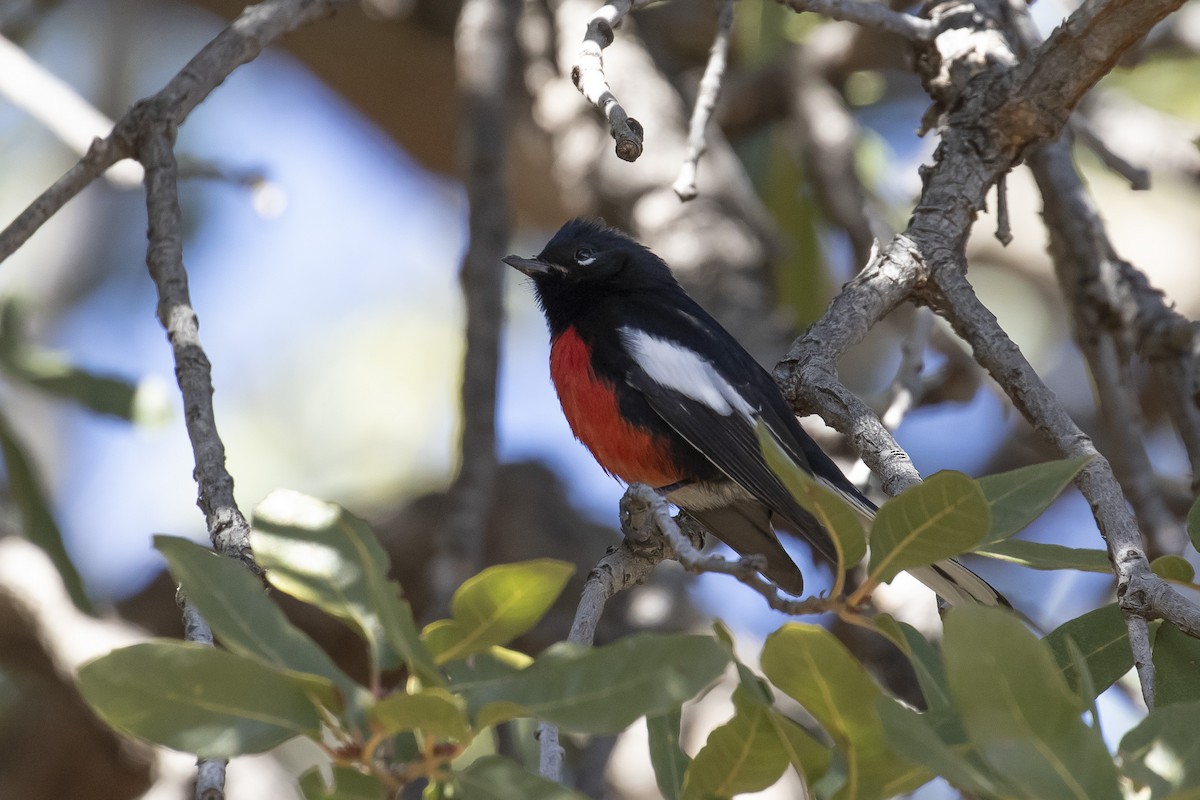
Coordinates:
[587,261]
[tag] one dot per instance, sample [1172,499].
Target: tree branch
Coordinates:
[241,42]
[227,528]
[483,48]
[1042,92]
[928,261]
[651,536]
[874,15]
[588,77]
[706,101]
[1106,314]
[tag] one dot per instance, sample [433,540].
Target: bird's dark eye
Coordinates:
[585,256]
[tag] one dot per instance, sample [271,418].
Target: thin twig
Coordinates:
[483,49]
[1143,659]
[241,42]
[651,535]
[227,528]
[1141,592]
[62,110]
[210,772]
[868,14]
[1138,177]
[588,77]
[706,101]
[1003,225]
[626,566]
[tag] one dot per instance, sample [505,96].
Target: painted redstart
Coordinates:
[661,394]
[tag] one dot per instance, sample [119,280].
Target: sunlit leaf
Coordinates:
[1018,710]
[940,517]
[1103,642]
[604,689]
[829,508]
[1037,555]
[497,778]
[37,520]
[496,606]
[1163,752]
[325,556]
[241,615]
[197,699]
[816,670]
[1019,496]
[434,712]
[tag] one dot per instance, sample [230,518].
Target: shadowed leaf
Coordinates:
[37,520]
[197,699]
[603,689]
[1037,555]
[1017,497]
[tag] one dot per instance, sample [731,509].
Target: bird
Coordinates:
[662,394]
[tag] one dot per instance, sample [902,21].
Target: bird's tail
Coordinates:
[958,585]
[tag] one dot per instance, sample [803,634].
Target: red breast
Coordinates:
[589,402]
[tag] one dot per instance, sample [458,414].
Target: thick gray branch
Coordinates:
[1044,90]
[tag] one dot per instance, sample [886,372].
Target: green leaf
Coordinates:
[1193,524]
[496,606]
[1037,555]
[197,699]
[1018,711]
[325,556]
[241,615]
[1173,568]
[746,676]
[37,520]
[604,689]
[1103,641]
[1017,497]
[807,756]
[915,737]
[497,778]
[940,517]
[666,757]
[435,712]
[743,755]
[348,784]
[1176,666]
[1163,752]
[815,669]
[923,656]
[836,515]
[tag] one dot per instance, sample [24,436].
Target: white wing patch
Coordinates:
[686,371]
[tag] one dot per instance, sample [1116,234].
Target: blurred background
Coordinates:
[327,222]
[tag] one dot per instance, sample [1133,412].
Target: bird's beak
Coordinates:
[530,266]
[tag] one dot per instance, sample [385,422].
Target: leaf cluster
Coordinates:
[1007,715]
